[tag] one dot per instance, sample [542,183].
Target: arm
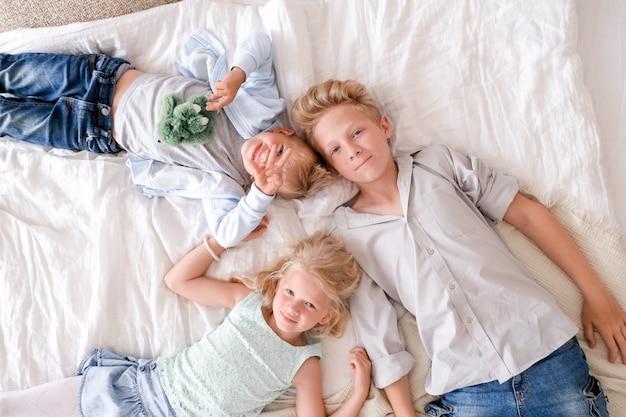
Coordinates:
[258,105]
[187,279]
[231,219]
[225,90]
[308,383]
[601,310]
[376,327]
[362,377]
[399,396]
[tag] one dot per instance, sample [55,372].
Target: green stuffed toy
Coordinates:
[185,122]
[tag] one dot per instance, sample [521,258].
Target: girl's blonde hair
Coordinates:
[333,267]
[308,108]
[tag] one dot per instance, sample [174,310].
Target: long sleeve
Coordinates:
[258,105]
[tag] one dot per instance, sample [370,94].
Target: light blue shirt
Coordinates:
[480,315]
[233,206]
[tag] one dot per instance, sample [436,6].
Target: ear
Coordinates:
[385,125]
[328,317]
[284,131]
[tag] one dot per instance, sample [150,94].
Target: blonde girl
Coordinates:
[266,344]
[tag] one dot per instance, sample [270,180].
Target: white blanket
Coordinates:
[83,252]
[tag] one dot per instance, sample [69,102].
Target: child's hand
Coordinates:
[269,178]
[226,89]
[362,366]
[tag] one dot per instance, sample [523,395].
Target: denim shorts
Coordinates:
[57,100]
[557,386]
[121,386]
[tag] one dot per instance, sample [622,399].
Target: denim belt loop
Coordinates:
[105,75]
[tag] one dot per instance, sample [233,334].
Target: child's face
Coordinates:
[299,303]
[353,143]
[256,150]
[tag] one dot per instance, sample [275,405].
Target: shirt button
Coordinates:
[430,251]
[470,320]
[105,111]
[141,368]
[452,286]
[153,366]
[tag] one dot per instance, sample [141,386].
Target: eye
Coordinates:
[310,306]
[288,291]
[334,150]
[280,150]
[357,132]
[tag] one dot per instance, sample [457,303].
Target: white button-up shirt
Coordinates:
[480,315]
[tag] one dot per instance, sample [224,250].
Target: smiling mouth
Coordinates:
[287,319]
[362,163]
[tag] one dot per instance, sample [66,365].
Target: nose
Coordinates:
[354,150]
[293,309]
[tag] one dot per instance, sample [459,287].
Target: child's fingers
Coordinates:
[271,158]
[274,167]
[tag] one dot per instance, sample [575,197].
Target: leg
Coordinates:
[62,101]
[46,76]
[558,386]
[54,399]
[490,399]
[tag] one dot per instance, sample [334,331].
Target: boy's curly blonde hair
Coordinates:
[307,109]
[333,267]
[305,174]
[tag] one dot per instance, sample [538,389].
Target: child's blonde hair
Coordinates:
[308,108]
[332,266]
[305,174]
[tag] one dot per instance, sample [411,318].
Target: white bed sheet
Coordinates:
[602,49]
[83,252]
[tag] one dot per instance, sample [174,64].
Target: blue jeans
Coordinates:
[61,101]
[557,386]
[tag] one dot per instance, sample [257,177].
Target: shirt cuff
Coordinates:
[257,200]
[246,62]
[387,370]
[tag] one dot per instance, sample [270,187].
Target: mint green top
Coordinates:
[236,369]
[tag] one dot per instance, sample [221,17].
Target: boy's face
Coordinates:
[353,143]
[256,150]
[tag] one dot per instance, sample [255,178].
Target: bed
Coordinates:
[534,88]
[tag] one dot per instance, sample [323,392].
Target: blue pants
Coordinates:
[558,386]
[61,101]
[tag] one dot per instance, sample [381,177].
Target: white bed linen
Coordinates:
[602,49]
[84,252]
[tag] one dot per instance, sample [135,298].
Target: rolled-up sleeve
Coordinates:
[376,329]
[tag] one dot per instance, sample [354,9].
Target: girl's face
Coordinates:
[353,143]
[299,304]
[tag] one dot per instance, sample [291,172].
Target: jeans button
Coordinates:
[105,111]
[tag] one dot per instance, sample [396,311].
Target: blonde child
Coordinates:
[266,344]
[103,104]
[423,229]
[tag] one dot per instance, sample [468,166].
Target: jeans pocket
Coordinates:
[439,408]
[596,397]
